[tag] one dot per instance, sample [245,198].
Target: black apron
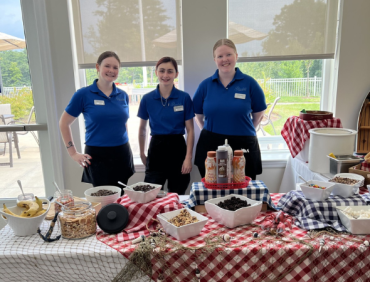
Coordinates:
[166,154]
[109,165]
[209,141]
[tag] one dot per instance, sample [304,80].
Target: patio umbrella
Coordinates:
[237,33]
[8,42]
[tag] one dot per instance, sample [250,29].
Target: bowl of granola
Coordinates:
[347,184]
[182,224]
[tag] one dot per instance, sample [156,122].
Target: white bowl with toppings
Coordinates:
[141,196]
[229,218]
[104,200]
[320,193]
[347,184]
[355,218]
[182,232]
[24,226]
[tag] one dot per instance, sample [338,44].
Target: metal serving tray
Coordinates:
[342,163]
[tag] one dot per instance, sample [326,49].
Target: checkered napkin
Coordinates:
[140,214]
[311,214]
[295,131]
[256,190]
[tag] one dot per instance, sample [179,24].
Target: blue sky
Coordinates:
[11,18]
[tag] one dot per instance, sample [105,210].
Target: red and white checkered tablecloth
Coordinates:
[262,259]
[295,131]
[141,213]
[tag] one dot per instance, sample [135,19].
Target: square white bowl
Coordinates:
[24,226]
[140,196]
[104,200]
[355,226]
[183,232]
[232,219]
[345,190]
[317,194]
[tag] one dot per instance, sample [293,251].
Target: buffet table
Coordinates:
[293,257]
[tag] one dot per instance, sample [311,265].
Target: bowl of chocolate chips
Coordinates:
[233,210]
[103,194]
[142,192]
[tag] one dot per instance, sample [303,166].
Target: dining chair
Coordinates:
[267,119]
[28,122]
[8,138]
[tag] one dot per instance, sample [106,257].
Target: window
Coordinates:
[19,150]
[283,45]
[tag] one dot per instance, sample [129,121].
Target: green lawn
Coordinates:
[283,111]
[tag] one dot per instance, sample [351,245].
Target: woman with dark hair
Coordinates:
[108,157]
[169,112]
[229,105]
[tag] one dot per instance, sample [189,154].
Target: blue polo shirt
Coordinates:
[168,119]
[227,110]
[105,117]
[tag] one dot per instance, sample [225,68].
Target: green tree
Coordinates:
[123,20]
[290,69]
[299,28]
[13,75]
[14,68]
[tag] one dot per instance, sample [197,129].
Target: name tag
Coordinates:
[178,108]
[239,96]
[99,102]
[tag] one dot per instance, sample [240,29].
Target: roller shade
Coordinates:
[134,29]
[293,29]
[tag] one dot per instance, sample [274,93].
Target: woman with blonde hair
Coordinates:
[229,105]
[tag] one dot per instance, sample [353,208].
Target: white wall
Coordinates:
[353,68]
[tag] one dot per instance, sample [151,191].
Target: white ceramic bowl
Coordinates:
[183,232]
[23,226]
[345,190]
[232,219]
[317,194]
[142,197]
[355,226]
[104,200]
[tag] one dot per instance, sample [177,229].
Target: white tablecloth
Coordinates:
[295,167]
[31,259]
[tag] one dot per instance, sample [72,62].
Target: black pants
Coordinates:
[166,155]
[109,165]
[209,141]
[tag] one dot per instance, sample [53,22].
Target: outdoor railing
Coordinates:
[280,87]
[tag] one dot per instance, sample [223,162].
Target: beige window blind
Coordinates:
[139,31]
[266,30]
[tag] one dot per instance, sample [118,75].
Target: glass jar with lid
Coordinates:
[64,197]
[77,220]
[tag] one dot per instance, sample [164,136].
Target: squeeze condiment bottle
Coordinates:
[210,165]
[221,158]
[239,166]
[229,162]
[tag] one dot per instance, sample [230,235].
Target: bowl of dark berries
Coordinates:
[142,192]
[233,210]
[103,194]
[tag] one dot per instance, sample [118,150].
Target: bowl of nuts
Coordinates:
[103,194]
[182,224]
[233,210]
[347,184]
[142,192]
